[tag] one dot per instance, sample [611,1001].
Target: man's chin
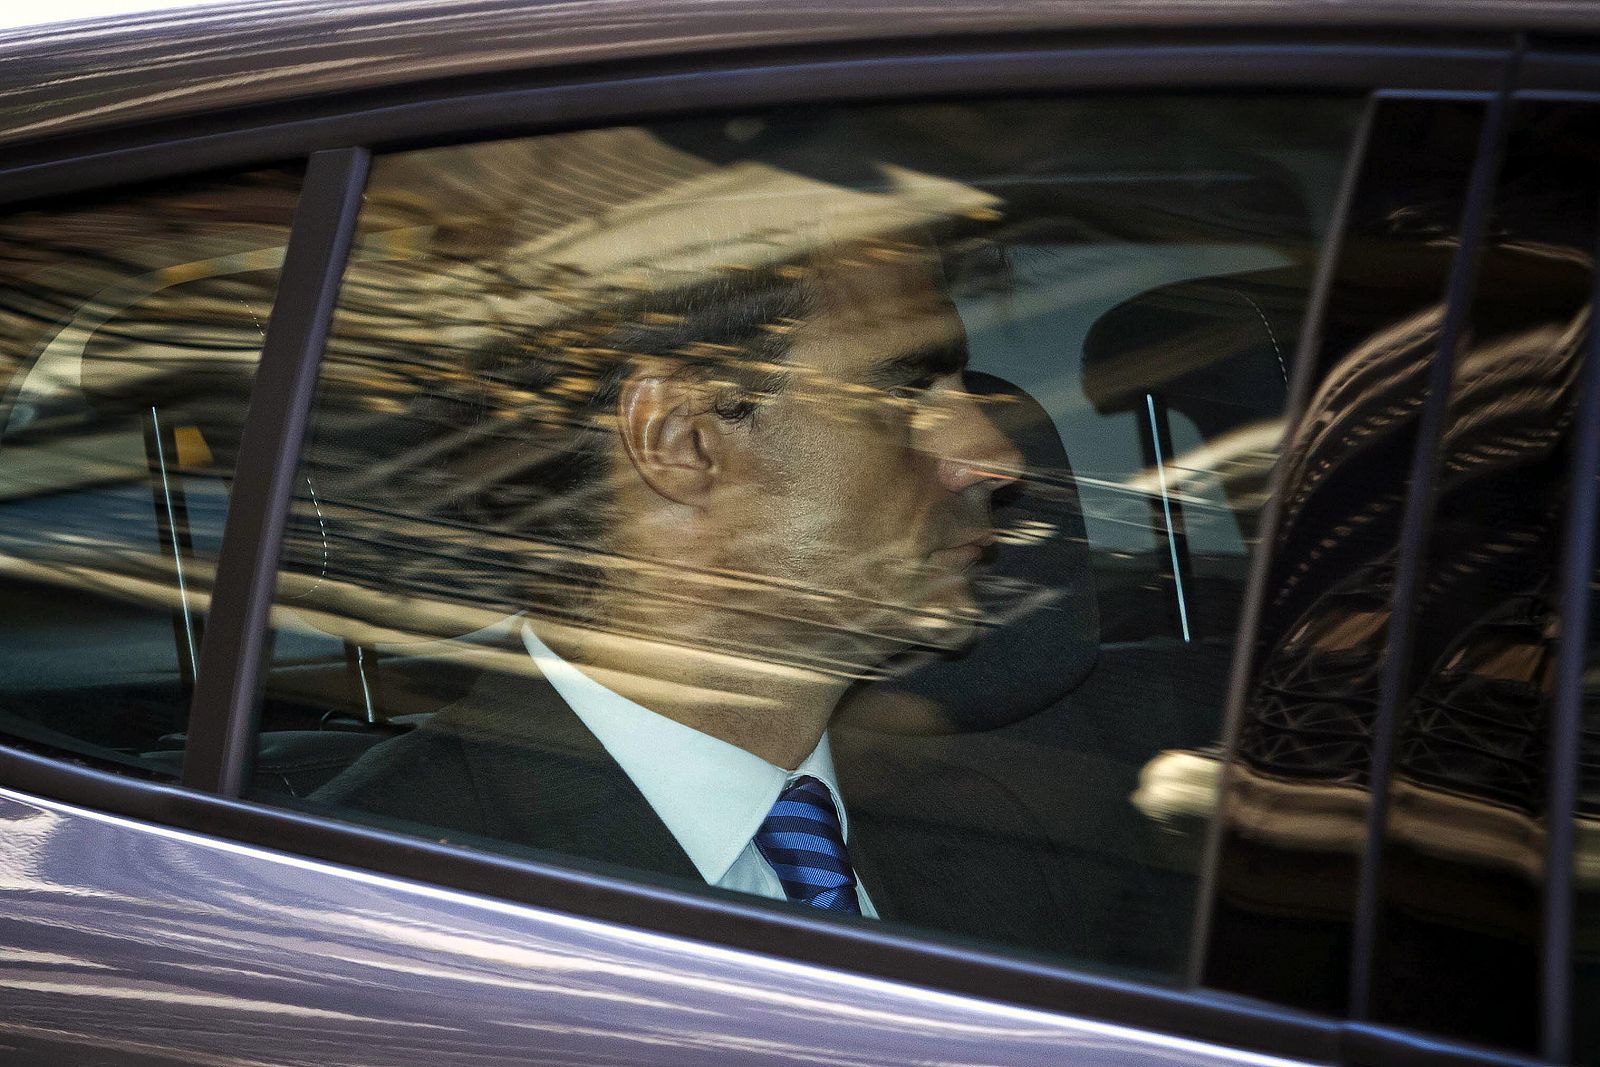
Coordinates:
[948,624]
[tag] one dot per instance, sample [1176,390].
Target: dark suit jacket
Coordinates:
[933,843]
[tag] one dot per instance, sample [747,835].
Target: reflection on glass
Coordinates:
[1295,810]
[1461,867]
[1462,864]
[129,333]
[695,502]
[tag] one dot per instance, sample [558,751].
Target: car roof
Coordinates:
[75,76]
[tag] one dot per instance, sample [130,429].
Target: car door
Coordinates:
[274,379]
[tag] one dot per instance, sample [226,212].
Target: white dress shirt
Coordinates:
[711,795]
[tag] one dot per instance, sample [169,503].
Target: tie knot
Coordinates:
[802,841]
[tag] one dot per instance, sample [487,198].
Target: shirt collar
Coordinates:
[711,795]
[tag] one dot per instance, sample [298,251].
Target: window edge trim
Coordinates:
[923,960]
[416,115]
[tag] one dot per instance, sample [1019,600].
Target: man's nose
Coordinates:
[974,451]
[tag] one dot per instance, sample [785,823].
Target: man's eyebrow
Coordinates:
[934,361]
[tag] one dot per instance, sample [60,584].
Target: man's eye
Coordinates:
[912,390]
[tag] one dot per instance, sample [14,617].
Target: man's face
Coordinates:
[871,473]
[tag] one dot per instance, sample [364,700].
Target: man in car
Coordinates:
[768,484]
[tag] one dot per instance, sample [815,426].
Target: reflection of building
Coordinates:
[1483,647]
[1458,867]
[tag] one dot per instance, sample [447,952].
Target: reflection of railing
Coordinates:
[383,574]
[1125,502]
[57,372]
[1316,698]
[1235,464]
[1478,725]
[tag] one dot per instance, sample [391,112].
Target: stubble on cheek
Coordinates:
[862,540]
[834,527]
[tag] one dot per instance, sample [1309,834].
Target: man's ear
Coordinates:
[668,430]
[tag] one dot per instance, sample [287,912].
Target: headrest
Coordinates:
[1216,349]
[1039,593]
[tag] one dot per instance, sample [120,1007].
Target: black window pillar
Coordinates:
[222,719]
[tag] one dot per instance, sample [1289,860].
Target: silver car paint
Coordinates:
[128,943]
[77,76]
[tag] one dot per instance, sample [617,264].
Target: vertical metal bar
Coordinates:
[222,724]
[1171,512]
[1301,376]
[1566,713]
[1415,527]
[172,533]
[1148,451]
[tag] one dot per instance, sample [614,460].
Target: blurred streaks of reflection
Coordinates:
[460,479]
[1460,871]
[441,444]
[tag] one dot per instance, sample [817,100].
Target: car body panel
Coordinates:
[136,943]
[158,946]
[72,77]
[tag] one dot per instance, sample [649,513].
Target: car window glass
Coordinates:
[1461,886]
[130,327]
[1295,807]
[1461,864]
[642,454]
[1585,872]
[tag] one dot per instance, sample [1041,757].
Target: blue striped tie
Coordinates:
[802,841]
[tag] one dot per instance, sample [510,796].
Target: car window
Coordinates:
[847,508]
[1585,872]
[1460,871]
[1291,838]
[1471,762]
[130,327]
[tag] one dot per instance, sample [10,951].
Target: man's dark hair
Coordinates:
[548,401]
[548,396]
